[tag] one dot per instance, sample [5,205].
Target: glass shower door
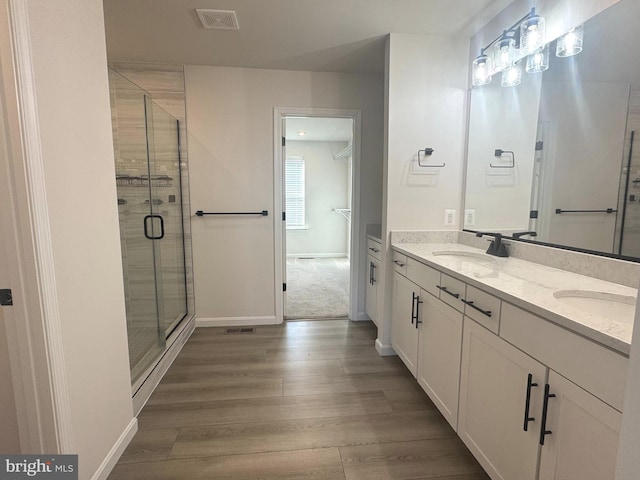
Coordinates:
[166,195]
[130,107]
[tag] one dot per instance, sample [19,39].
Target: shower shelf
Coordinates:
[143,181]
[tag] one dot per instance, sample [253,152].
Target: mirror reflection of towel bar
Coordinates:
[608,210]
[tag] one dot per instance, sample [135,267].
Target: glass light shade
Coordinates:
[512,76]
[481,71]
[539,61]
[570,43]
[532,32]
[504,54]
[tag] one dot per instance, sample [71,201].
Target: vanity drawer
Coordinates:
[483,308]
[423,275]
[400,263]
[374,249]
[600,371]
[452,291]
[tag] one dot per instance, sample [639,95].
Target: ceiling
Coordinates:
[313,35]
[319,129]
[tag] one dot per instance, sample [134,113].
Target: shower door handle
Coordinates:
[146,227]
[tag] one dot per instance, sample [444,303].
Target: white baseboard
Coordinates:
[144,389]
[317,255]
[234,321]
[384,350]
[116,451]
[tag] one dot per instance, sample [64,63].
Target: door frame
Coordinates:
[279,114]
[33,323]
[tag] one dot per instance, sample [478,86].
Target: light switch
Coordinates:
[449,217]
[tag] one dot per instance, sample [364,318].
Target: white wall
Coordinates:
[426,80]
[70,82]
[326,182]
[230,123]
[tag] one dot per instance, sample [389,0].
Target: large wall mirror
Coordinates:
[559,154]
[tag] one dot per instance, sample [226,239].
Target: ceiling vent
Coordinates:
[218,19]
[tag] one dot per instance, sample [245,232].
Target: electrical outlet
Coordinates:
[469,218]
[449,217]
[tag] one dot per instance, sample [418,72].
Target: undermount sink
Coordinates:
[620,308]
[472,257]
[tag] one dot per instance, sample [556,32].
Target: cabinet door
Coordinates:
[404,334]
[371,292]
[439,355]
[493,399]
[583,442]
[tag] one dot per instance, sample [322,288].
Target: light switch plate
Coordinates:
[449,217]
[469,218]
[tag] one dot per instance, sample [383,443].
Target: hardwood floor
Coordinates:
[306,400]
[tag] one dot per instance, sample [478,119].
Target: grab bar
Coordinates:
[200,213]
[608,210]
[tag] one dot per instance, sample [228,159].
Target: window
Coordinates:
[294,192]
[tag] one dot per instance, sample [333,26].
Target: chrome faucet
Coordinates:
[496,247]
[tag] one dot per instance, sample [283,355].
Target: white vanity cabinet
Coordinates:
[405,311]
[569,431]
[439,347]
[426,333]
[583,443]
[496,381]
[531,399]
[374,252]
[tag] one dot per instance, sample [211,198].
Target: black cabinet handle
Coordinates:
[527,403]
[543,428]
[472,305]
[400,264]
[418,302]
[413,306]
[444,289]
[374,250]
[370,273]
[373,273]
[146,227]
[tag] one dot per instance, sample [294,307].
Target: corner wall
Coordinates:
[426,91]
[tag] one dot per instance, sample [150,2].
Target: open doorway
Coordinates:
[317,185]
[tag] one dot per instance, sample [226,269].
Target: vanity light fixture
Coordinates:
[481,71]
[570,43]
[512,76]
[525,36]
[539,61]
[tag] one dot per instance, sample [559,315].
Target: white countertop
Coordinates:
[531,286]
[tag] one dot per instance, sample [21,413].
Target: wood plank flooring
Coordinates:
[305,400]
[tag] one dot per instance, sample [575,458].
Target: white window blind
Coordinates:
[294,191]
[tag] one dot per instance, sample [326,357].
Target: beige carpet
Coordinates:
[317,288]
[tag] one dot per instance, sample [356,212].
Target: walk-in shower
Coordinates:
[150,205]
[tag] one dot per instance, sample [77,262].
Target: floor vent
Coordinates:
[218,19]
[241,330]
